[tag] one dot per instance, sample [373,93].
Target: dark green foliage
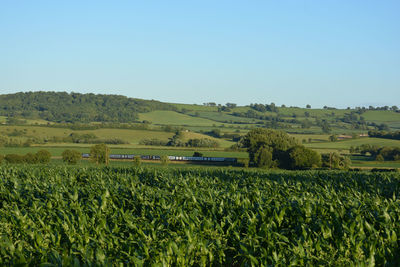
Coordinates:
[1,158]
[71,156]
[164,160]
[302,158]
[197,154]
[263,157]
[14,158]
[379,153]
[153,142]
[43,156]
[385,134]
[259,139]
[263,108]
[75,107]
[137,161]
[335,161]
[68,216]
[100,154]
[203,142]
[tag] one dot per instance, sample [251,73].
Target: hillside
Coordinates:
[61,107]
[75,107]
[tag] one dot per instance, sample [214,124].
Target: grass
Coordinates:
[346,144]
[381,116]
[163,117]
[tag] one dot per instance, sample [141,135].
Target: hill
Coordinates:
[75,107]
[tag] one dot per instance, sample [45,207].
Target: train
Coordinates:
[172,158]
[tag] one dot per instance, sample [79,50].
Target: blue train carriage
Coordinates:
[122,156]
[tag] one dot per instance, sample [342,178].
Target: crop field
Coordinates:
[174,118]
[346,144]
[145,216]
[381,116]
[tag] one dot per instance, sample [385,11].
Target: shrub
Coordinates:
[14,158]
[301,157]
[164,160]
[43,156]
[137,161]
[263,158]
[379,158]
[30,158]
[100,153]
[71,156]
[197,154]
[1,159]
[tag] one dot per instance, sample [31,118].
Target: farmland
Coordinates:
[142,216]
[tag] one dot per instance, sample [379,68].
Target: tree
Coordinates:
[100,154]
[333,138]
[30,158]
[260,142]
[230,105]
[379,158]
[197,154]
[308,106]
[137,161]
[301,157]
[71,156]
[335,161]
[43,156]
[164,160]
[325,127]
[263,158]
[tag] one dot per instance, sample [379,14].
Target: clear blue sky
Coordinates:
[335,53]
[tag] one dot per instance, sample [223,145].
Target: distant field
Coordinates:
[131,136]
[224,117]
[381,116]
[346,144]
[164,117]
[313,137]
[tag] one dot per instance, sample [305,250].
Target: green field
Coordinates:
[116,216]
[346,144]
[174,118]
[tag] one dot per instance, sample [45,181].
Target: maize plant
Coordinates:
[118,216]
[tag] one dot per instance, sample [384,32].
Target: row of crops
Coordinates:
[148,216]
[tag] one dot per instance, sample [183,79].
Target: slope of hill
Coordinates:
[87,108]
[75,107]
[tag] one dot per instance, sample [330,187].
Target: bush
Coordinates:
[204,142]
[335,161]
[164,160]
[14,158]
[263,158]
[301,157]
[243,162]
[1,159]
[153,142]
[197,154]
[379,158]
[43,156]
[137,161]
[71,156]
[100,153]
[30,158]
